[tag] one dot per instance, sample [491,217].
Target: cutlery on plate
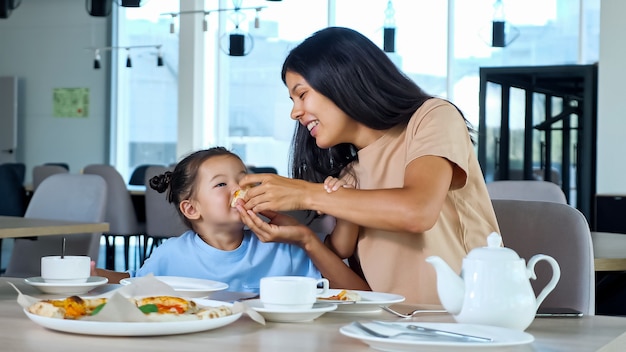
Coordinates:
[411,314]
[437,332]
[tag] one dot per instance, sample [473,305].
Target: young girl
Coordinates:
[217,247]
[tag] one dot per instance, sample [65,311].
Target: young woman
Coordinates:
[217,247]
[418,188]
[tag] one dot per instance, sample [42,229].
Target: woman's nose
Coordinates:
[296,113]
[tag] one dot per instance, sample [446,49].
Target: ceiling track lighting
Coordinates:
[98,58]
[236,39]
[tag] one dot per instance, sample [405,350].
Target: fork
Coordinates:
[415,312]
[381,335]
[417,334]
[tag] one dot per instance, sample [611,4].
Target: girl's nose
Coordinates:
[296,114]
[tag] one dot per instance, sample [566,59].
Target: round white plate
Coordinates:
[67,288]
[292,316]
[136,328]
[502,337]
[370,301]
[187,286]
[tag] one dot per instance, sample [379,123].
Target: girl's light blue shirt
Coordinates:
[242,269]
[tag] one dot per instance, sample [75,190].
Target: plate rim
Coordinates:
[222,285]
[529,338]
[398,298]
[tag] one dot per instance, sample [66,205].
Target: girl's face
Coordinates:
[217,180]
[328,124]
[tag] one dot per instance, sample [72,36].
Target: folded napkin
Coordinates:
[120,309]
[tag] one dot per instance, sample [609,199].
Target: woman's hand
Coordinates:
[280,228]
[277,193]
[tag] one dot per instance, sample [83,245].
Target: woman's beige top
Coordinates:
[393,261]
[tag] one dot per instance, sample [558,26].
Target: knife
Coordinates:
[438,332]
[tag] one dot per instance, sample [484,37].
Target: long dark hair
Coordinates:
[358,77]
[180,183]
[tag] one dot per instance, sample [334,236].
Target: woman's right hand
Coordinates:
[277,193]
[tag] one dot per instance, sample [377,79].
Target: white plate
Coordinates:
[502,337]
[67,288]
[186,286]
[136,328]
[370,301]
[292,316]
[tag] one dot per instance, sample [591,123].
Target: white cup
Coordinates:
[291,292]
[69,269]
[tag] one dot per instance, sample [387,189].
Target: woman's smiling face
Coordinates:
[328,124]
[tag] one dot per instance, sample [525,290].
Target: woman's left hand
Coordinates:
[280,228]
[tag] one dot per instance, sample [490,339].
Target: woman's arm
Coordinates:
[413,208]
[342,241]
[283,228]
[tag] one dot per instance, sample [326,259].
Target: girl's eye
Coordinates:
[221,184]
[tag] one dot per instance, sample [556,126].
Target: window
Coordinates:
[246,104]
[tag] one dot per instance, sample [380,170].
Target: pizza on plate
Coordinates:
[156,308]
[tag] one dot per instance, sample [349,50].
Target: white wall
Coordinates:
[612,99]
[43,43]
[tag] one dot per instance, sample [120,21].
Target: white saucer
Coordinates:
[66,288]
[292,316]
[370,302]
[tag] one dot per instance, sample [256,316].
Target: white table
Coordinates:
[18,333]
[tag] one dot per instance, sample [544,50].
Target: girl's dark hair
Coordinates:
[358,77]
[180,183]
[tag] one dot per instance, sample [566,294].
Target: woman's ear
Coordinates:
[189,210]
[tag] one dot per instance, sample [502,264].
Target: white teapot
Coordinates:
[494,286]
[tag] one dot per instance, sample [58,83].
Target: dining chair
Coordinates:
[162,219]
[120,214]
[19,169]
[138,176]
[560,231]
[41,172]
[526,190]
[262,170]
[12,196]
[70,197]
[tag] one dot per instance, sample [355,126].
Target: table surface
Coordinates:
[15,226]
[18,333]
[609,251]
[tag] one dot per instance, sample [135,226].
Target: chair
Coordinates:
[41,172]
[12,195]
[262,170]
[66,166]
[526,190]
[162,219]
[560,231]
[138,176]
[19,169]
[70,197]
[120,213]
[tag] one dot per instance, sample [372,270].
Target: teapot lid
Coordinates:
[493,251]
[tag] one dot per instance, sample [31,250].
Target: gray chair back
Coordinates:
[560,231]
[162,219]
[120,213]
[70,197]
[41,172]
[526,190]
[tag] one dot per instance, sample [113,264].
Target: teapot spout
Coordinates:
[450,286]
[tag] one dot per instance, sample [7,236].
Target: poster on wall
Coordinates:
[70,102]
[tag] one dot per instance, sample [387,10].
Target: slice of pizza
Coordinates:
[239,194]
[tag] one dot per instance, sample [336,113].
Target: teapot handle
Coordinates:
[556,275]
